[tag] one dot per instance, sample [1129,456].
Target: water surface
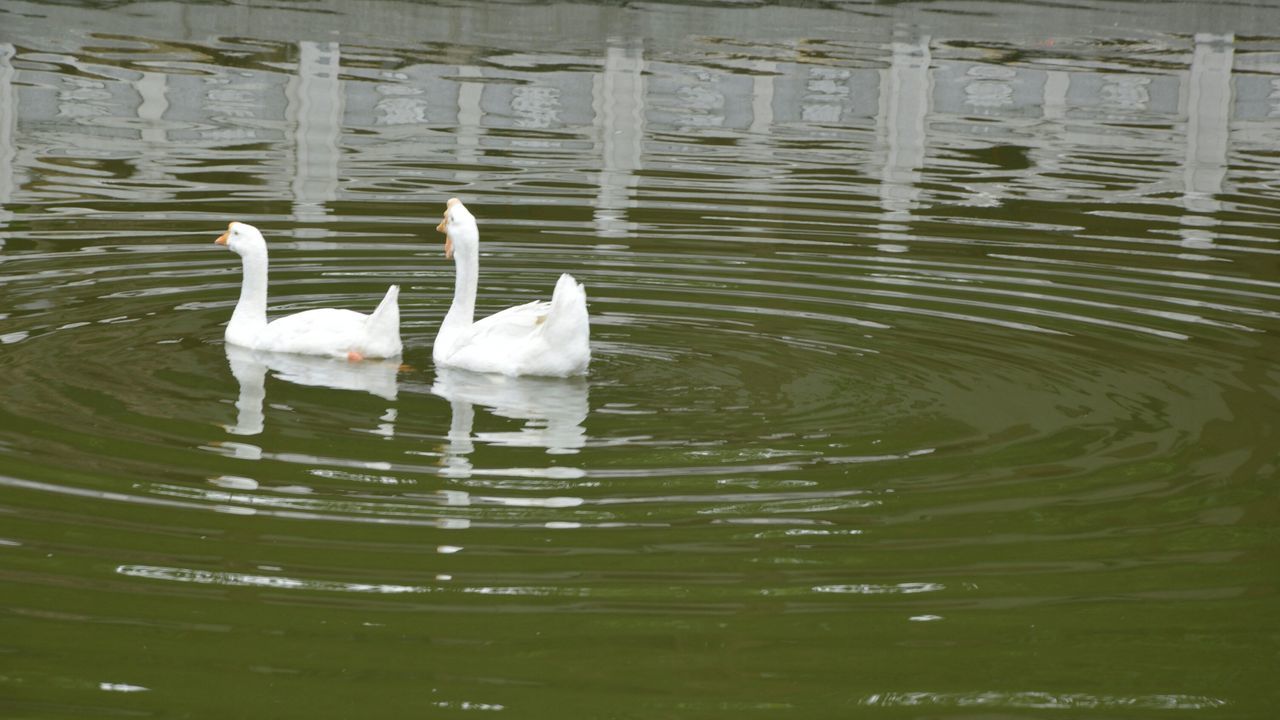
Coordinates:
[934,361]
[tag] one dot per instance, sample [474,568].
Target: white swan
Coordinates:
[537,338]
[325,331]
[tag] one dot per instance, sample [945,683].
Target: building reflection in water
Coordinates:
[918,100]
[8,139]
[1208,136]
[314,113]
[904,107]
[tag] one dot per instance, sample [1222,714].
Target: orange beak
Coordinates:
[222,239]
[443,227]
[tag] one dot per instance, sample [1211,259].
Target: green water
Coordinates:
[934,361]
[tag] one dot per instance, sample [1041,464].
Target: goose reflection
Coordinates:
[250,370]
[553,409]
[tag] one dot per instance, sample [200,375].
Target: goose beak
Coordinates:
[222,239]
[443,227]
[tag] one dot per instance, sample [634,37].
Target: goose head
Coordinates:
[461,235]
[243,239]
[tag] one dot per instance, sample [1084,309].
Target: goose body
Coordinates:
[550,338]
[325,331]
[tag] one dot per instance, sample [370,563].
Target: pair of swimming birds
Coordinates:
[537,338]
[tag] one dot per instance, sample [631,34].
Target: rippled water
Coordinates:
[935,361]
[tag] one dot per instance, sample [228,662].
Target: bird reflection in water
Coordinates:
[377,377]
[554,410]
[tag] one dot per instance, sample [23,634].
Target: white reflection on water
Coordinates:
[469,705]
[1208,137]
[618,94]
[1036,699]
[315,112]
[907,588]
[553,409]
[121,687]
[208,577]
[904,109]
[282,582]
[250,370]
[8,123]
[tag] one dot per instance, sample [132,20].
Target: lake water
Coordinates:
[935,361]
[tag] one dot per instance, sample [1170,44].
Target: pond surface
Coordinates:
[935,361]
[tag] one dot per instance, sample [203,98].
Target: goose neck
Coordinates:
[467,267]
[251,311]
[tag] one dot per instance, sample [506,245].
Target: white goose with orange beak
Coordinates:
[537,338]
[325,331]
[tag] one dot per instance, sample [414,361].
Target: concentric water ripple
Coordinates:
[813,369]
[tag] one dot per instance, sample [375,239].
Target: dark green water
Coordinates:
[935,361]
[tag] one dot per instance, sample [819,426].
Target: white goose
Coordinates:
[325,331]
[537,338]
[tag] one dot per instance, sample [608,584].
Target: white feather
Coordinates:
[537,338]
[325,331]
